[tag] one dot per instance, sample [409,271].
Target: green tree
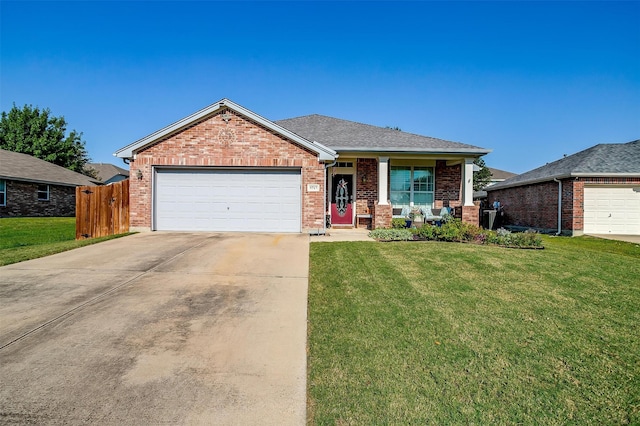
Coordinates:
[36,132]
[482,177]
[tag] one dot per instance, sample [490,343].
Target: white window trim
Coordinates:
[48,192]
[411,189]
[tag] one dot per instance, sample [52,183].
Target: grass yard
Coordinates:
[446,333]
[29,238]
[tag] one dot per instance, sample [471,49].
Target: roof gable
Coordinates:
[23,167]
[613,159]
[324,153]
[344,135]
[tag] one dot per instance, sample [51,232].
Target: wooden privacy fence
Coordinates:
[102,210]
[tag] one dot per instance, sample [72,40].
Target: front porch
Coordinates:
[365,190]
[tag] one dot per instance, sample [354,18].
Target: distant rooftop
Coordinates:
[106,171]
[497,174]
[23,167]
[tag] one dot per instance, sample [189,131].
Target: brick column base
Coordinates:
[471,214]
[382,216]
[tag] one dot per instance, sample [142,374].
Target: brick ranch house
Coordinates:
[30,187]
[225,168]
[595,191]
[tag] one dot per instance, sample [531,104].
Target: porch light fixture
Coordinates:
[363,178]
[139,174]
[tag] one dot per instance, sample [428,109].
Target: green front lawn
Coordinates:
[447,333]
[30,238]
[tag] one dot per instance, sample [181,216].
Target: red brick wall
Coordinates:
[382,216]
[238,143]
[22,200]
[471,214]
[366,192]
[533,206]
[536,205]
[448,182]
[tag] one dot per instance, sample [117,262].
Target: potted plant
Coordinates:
[416,217]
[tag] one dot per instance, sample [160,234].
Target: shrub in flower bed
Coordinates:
[502,237]
[392,234]
[398,223]
[456,230]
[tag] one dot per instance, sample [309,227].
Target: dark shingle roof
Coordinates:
[343,135]
[607,159]
[23,167]
[106,171]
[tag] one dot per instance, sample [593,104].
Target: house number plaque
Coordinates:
[313,187]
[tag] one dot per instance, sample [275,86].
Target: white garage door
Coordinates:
[228,200]
[612,210]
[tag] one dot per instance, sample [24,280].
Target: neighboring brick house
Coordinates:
[225,168]
[33,187]
[108,173]
[598,191]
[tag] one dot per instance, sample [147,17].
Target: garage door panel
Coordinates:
[228,200]
[611,210]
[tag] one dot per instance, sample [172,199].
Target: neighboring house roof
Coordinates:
[500,175]
[344,135]
[23,167]
[497,175]
[612,159]
[107,171]
[128,151]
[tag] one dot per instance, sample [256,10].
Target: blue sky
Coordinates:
[530,80]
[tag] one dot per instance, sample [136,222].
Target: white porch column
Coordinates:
[467,182]
[383,173]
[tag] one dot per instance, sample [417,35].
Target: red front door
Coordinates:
[341,200]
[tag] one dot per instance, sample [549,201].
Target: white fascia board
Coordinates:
[558,176]
[471,151]
[127,151]
[605,174]
[526,182]
[323,152]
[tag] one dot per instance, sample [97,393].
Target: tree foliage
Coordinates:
[482,177]
[37,132]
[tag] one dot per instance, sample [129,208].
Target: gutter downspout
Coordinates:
[559,205]
[324,199]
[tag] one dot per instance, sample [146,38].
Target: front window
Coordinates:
[43,192]
[411,186]
[3,193]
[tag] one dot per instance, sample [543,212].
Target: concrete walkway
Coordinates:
[336,234]
[158,328]
[628,238]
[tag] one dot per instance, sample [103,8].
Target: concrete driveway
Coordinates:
[628,238]
[158,328]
